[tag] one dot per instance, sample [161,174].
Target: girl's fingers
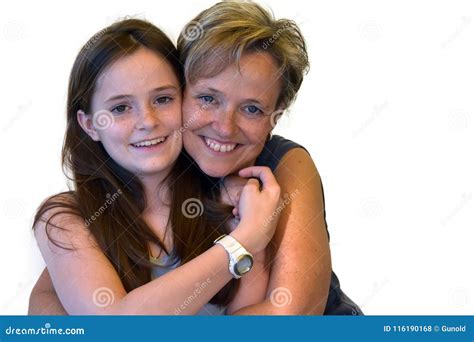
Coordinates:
[253,183]
[261,172]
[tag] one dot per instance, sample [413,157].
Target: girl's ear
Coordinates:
[86,122]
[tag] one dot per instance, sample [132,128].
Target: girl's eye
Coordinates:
[253,110]
[207,99]
[119,109]
[163,99]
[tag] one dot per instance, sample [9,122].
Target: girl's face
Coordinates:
[136,107]
[228,117]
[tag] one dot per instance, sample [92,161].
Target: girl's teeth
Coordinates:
[150,142]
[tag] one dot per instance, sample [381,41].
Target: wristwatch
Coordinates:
[240,260]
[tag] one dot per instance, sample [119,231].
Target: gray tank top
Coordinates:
[167,263]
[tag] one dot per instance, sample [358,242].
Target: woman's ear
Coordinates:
[275,116]
[86,122]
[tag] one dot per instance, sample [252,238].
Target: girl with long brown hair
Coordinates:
[124,240]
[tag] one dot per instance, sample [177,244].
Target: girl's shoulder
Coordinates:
[59,220]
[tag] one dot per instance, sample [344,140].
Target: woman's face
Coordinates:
[227,118]
[137,107]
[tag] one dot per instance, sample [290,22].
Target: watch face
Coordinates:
[244,264]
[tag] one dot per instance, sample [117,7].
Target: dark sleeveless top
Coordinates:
[338,302]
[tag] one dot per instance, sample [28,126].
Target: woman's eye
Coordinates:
[253,110]
[119,109]
[163,99]
[207,98]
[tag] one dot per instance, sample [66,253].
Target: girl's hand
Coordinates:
[230,193]
[257,208]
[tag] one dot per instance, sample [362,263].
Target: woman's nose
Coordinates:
[224,124]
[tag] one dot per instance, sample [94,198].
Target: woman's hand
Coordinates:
[257,208]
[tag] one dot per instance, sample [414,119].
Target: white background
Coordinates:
[386,112]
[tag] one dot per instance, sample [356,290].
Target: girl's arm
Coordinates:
[301,271]
[87,283]
[253,287]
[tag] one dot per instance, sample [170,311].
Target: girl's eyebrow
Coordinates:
[126,96]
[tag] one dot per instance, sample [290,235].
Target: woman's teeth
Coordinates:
[150,142]
[214,145]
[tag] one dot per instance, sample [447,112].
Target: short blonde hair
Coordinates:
[219,36]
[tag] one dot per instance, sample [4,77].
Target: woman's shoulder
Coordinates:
[275,149]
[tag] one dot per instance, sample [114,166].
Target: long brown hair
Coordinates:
[109,198]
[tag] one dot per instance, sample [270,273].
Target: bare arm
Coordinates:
[43,298]
[253,286]
[83,276]
[301,271]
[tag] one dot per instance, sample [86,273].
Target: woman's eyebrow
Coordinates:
[210,90]
[261,103]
